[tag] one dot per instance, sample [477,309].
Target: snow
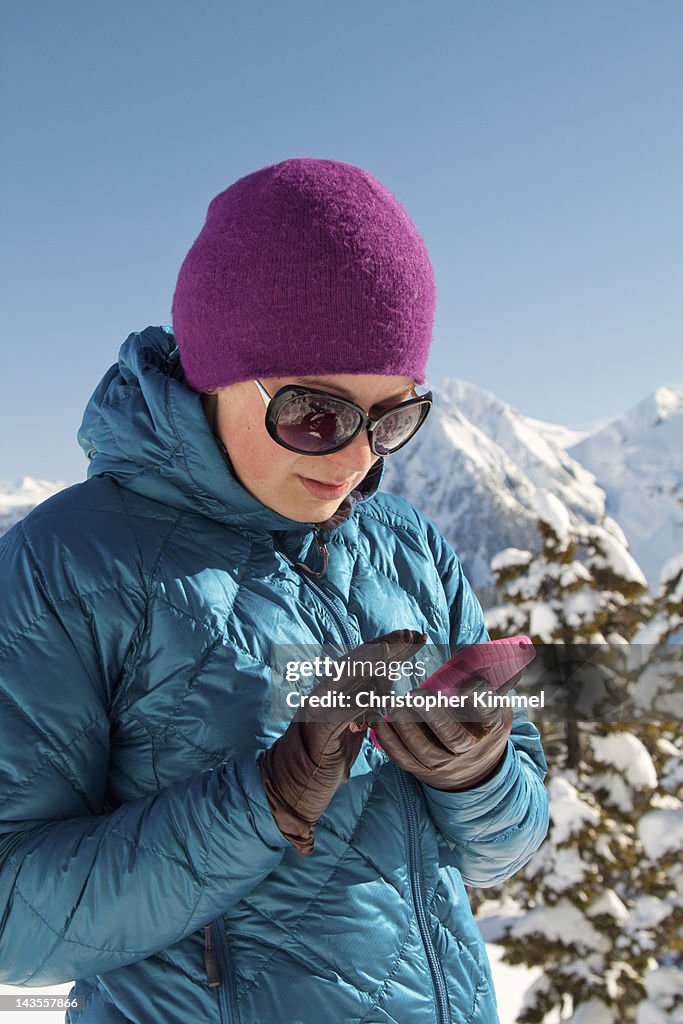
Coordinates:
[668,402]
[510,558]
[550,510]
[657,687]
[580,607]
[569,869]
[538,990]
[560,869]
[510,983]
[612,527]
[638,461]
[543,621]
[650,1013]
[574,573]
[593,1012]
[661,831]
[535,450]
[563,437]
[664,986]
[563,923]
[609,903]
[505,618]
[620,794]
[666,747]
[27,491]
[671,568]
[665,983]
[568,812]
[647,912]
[615,557]
[652,632]
[629,756]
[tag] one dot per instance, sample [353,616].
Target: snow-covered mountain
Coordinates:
[481,471]
[638,460]
[477,469]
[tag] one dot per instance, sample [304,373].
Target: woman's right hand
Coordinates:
[304,768]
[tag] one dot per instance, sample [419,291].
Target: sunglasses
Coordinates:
[314,422]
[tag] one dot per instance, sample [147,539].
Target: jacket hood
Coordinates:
[145,427]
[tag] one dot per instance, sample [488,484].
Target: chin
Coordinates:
[316,512]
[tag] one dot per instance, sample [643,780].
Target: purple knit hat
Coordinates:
[306,268]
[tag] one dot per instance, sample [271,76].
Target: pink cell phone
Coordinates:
[494,661]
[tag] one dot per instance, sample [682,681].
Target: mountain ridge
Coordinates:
[499,461]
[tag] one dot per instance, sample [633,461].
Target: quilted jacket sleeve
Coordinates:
[490,831]
[81,891]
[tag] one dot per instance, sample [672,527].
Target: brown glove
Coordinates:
[304,768]
[441,748]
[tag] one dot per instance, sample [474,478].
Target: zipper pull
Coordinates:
[324,554]
[213,978]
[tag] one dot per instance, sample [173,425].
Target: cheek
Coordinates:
[261,465]
[259,460]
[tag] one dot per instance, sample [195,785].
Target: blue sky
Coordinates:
[535,144]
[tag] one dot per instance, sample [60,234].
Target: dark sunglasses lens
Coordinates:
[310,423]
[398,426]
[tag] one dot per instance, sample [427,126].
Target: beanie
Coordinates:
[306,268]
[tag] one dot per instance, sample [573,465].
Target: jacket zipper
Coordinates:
[218,972]
[414,867]
[435,969]
[213,978]
[307,577]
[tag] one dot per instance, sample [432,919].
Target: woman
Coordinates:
[166,837]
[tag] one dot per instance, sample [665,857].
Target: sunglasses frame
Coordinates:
[275,403]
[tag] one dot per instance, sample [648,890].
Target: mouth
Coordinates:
[324,491]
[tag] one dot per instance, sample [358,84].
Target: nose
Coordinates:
[356,457]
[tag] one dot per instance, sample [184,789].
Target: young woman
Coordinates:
[168,836]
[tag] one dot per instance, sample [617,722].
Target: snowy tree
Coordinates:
[659,690]
[603,895]
[581,587]
[666,621]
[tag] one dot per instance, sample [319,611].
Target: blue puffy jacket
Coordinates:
[139,612]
